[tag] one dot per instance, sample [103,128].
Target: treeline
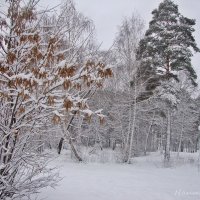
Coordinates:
[59,90]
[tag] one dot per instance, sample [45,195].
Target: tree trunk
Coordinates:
[62,139]
[199,153]
[127,142]
[181,137]
[147,136]
[133,123]
[167,149]
[60,145]
[161,138]
[132,135]
[75,151]
[128,135]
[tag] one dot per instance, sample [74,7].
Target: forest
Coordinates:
[62,95]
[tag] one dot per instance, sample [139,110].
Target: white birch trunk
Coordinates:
[133,124]
[161,138]
[199,153]
[147,136]
[128,136]
[181,137]
[132,135]
[167,149]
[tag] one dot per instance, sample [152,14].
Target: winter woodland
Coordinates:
[62,97]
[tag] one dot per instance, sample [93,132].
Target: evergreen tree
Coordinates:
[167,46]
[164,52]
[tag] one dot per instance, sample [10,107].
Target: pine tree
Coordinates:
[166,47]
[164,52]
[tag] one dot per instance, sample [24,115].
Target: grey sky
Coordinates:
[108,14]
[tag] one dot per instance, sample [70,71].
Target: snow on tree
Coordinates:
[166,47]
[165,51]
[39,87]
[126,44]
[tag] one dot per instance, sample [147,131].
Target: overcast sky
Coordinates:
[108,14]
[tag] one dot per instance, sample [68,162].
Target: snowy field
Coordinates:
[145,179]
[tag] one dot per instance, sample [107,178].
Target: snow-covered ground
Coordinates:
[145,179]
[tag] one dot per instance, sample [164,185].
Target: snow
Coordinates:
[57,113]
[144,179]
[98,111]
[62,64]
[88,112]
